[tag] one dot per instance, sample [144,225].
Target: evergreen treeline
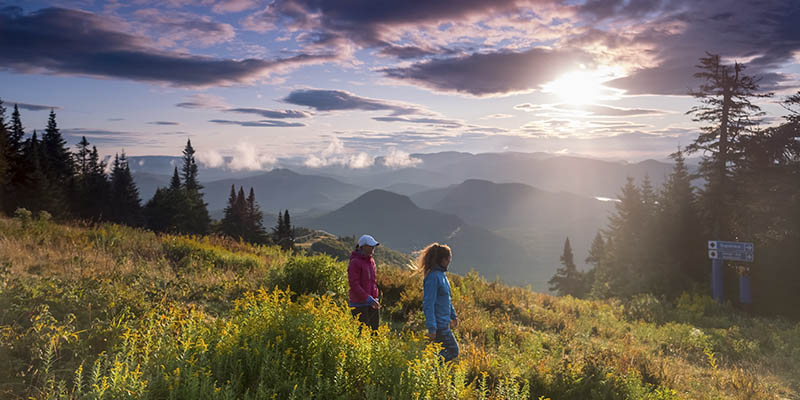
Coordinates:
[656,241]
[40,173]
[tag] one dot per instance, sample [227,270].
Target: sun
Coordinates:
[580,87]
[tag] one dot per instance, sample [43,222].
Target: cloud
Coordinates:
[115,119]
[163,123]
[400,159]
[596,110]
[172,28]
[72,42]
[676,34]
[246,157]
[264,123]
[32,107]
[497,116]
[203,100]
[433,121]
[232,6]
[275,114]
[337,100]
[335,154]
[210,158]
[486,74]
[366,22]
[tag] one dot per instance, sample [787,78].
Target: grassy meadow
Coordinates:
[113,312]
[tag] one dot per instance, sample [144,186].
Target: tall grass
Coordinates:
[115,312]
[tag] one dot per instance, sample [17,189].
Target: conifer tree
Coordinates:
[682,241]
[725,104]
[18,173]
[125,203]
[58,168]
[98,188]
[36,194]
[197,220]
[568,280]
[230,224]
[82,158]
[5,156]
[175,182]
[255,219]
[625,274]
[189,170]
[289,231]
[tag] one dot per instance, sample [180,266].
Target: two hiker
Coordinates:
[437,304]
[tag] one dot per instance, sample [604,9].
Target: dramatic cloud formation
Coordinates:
[497,73]
[276,114]
[264,123]
[366,22]
[62,41]
[337,100]
[335,154]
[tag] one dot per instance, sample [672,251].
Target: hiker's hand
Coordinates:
[376,305]
[431,335]
[454,323]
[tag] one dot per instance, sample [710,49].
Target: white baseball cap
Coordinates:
[367,240]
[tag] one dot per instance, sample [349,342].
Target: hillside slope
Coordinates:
[111,312]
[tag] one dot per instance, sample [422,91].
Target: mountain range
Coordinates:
[505,214]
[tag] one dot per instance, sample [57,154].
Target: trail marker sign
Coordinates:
[718,252]
[731,251]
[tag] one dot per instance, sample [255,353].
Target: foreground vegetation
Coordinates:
[115,312]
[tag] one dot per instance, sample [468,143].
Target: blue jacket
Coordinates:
[436,303]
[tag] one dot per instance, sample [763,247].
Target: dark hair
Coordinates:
[431,256]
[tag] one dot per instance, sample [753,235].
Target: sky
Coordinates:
[255,82]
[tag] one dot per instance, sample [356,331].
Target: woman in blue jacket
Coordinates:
[436,302]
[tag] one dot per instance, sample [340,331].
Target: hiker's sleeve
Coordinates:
[354,278]
[429,287]
[453,315]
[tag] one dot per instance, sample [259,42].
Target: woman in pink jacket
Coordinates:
[362,275]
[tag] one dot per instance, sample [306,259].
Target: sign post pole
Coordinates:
[716,279]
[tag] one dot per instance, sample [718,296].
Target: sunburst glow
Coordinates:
[581,87]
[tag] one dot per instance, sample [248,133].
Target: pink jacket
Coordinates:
[362,275]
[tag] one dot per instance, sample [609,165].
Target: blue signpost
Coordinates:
[718,252]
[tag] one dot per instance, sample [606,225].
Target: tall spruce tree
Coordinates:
[189,170]
[725,105]
[58,167]
[626,273]
[36,194]
[568,280]
[125,202]
[197,220]
[255,220]
[18,176]
[231,221]
[682,248]
[5,157]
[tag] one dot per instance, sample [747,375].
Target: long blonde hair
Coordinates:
[431,256]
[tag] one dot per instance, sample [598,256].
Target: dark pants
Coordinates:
[371,317]
[448,341]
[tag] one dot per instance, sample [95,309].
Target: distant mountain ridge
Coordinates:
[395,220]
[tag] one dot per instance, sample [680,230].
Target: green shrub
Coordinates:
[190,254]
[318,275]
